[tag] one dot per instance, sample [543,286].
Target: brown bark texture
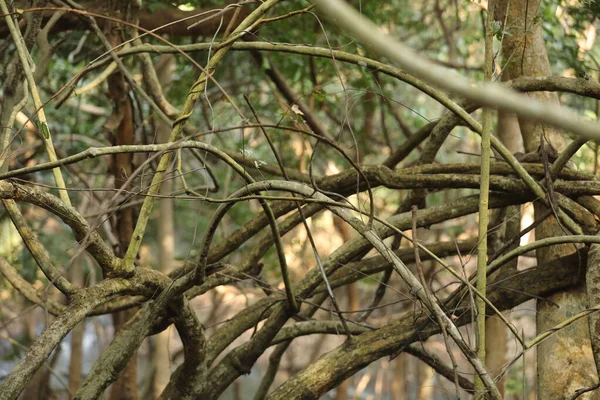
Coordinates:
[525,55]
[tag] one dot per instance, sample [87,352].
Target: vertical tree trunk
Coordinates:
[352,297]
[166,239]
[76,359]
[564,362]
[398,389]
[496,332]
[122,126]
[425,388]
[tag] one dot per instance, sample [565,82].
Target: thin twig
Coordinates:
[42,123]
[484,195]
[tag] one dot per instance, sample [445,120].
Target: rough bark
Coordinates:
[525,56]
[593,292]
[332,368]
[121,125]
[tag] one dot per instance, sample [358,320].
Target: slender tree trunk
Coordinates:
[564,361]
[496,347]
[121,124]
[166,239]
[398,387]
[352,297]
[425,388]
[76,359]
[496,332]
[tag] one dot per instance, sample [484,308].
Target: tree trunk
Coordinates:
[166,239]
[425,388]
[565,361]
[121,124]
[76,359]
[496,332]
[398,387]
[353,301]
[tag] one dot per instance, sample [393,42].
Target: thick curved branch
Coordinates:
[351,272]
[490,95]
[314,327]
[344,361]
[87,237]
[82,305]
[37,250]
[27,290]
[580,86]
[113,361]
[252,315]
[240,360]
[278,352]
[190,331]
[429,176]
[240,323]
[356,270]
[374,239]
